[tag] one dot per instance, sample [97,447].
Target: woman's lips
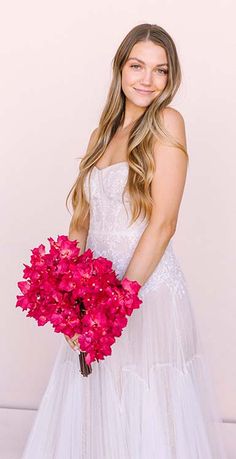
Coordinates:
[142,91]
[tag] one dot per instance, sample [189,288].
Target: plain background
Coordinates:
[54,77]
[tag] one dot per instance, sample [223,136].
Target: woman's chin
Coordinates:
[139,103]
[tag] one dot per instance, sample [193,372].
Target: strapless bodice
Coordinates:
[108,213]
[109,232]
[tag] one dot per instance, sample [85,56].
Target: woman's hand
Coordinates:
[73,342]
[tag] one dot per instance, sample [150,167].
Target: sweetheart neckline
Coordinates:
[111,165]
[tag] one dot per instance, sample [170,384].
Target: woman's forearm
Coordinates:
[81,236]
[148,253]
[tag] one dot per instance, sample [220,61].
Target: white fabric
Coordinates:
[152,398]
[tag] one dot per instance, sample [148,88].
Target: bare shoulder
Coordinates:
[172,116]
[170,172]
[92,140]
[174,123]
[94,132]
[93,136]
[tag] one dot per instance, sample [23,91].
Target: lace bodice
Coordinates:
[109,232]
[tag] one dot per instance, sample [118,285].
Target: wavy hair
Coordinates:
[145,130]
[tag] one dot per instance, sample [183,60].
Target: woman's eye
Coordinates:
[162,71]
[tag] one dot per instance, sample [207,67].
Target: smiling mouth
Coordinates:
[143,91]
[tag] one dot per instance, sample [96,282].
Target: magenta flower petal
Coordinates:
[77,294]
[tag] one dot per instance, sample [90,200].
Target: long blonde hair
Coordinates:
[146,129]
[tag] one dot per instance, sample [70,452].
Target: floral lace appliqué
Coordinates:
[109,235]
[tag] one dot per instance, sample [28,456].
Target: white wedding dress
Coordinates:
[152,397]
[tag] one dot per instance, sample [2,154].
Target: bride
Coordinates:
[152,397]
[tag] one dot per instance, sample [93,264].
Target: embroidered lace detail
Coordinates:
[109,235]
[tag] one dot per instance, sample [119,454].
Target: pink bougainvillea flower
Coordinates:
[77,294]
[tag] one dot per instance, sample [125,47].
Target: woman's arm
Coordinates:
[81,236]
[167,189]
[82,232]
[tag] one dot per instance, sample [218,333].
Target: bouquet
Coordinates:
[78,294]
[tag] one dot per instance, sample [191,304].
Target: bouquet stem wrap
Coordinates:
[85,368]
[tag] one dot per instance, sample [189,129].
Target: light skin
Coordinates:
[145,72]
[171,163]
[166,189]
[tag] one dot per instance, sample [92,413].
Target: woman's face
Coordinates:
[144,71]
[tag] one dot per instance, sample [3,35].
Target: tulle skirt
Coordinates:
[152,398]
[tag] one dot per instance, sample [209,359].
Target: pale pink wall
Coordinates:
[55,71]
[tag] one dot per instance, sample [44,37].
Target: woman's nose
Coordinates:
[147,78]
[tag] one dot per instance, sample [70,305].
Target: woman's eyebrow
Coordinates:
[142,62]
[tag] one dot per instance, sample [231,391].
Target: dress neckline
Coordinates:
[111,165]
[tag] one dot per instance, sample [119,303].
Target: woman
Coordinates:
[152,397]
